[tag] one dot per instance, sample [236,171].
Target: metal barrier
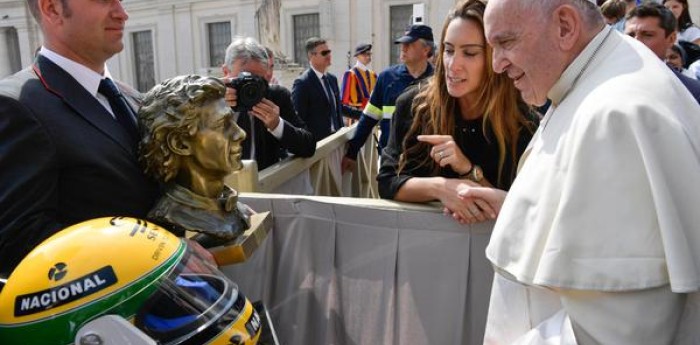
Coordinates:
[322,171]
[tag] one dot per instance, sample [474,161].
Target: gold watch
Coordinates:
[476,174]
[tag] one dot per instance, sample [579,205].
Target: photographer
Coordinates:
[272,126]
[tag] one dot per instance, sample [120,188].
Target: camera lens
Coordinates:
[251,89]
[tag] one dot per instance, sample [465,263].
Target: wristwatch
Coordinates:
[475,174]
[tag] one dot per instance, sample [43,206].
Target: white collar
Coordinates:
[566,81]
[361,66]
[318,74]
[86,77]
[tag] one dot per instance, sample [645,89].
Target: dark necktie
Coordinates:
[121,110]
[331,100]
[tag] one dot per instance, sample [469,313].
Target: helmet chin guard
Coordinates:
[111,330]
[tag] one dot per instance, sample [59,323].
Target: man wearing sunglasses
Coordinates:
[315,93]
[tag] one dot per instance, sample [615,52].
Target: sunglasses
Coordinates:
[324,52]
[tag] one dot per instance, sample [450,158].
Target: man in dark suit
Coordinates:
[272,126]
[67,136]
[316,94]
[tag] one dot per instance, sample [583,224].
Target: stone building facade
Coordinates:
[165,38]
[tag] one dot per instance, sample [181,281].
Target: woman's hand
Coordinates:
[489,200]
[465,210]
[445,152]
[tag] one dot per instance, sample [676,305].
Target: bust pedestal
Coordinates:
[243,246]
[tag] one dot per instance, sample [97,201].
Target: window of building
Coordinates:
[219,35]
[144,62]
[400,18]
[305,27]
[10,59]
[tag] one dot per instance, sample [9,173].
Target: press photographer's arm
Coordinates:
[265,111]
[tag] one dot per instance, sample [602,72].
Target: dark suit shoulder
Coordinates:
[279,91]
[691,84]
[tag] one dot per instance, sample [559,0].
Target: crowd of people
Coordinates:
[593,106]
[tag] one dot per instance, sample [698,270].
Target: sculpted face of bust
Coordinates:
[215,149]
[189,135]
[190,142]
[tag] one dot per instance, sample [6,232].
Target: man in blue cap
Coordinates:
[416,45]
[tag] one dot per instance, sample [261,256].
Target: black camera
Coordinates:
[250,90]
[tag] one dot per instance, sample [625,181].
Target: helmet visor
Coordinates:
[189,302]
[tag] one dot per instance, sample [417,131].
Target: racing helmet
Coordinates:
[114,280]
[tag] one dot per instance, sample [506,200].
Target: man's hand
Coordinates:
[465,210]
[268,113]
[484,199]
[230,96]
[347,165]
[445,152]
[494,197]
[205,254]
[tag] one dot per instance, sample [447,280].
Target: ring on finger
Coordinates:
[441,155]
[474,210]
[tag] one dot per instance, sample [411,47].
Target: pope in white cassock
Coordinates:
[598,240]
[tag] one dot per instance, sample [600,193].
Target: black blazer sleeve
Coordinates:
[389,180]
[28,183]
[296,137]
[299,98]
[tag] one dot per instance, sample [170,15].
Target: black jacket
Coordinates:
[296,138]
[312,105]
[469,136]
[63,160]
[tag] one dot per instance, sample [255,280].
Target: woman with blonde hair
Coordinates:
[466,127]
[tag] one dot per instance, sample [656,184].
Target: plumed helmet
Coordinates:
[118,279]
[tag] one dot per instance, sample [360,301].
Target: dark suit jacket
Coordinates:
[64,159]
[312,105]
[691,84]
[296,138]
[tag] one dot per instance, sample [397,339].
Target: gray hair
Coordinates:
[246,49]
[589,11]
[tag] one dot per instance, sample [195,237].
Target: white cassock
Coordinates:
[598,241]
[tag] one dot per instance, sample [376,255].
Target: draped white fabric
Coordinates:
[364,271]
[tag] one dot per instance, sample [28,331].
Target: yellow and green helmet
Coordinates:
[128,268]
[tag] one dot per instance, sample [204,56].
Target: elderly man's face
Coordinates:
[259,68]
[216,147]
[524,48]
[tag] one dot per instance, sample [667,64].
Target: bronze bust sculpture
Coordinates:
[190,142]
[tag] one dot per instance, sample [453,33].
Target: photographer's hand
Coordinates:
[230,96]
[268,113]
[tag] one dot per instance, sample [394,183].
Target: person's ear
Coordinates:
[179,144]
[51,11]
[225,69]
[569,24]
[671,39]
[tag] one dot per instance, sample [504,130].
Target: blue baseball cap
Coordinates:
[415,32]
